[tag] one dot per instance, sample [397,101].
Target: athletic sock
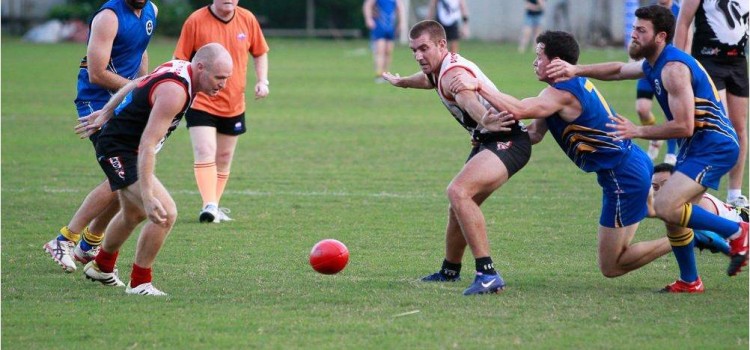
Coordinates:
[90,239]
[67,235]
[205,178]
[221,182]
[682,247]
[732,194]
[106,261]
[484,266]
[139,276]
[449,269]
[695,217]
[650,121]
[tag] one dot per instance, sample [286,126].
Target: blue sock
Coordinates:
[686,261]
[671,146]
[701,219]
[60,237]
[85,246]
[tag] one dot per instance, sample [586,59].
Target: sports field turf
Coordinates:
[331,154]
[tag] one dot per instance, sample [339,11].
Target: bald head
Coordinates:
[212,64]
[212,54]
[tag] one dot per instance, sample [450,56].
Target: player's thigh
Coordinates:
[679,189]
[483,173]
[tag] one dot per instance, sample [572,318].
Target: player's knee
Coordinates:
[610,270]
[664,208]
[456,193]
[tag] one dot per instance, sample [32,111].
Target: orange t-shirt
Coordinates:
[241,36]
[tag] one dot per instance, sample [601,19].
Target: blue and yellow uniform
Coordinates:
[713,148]
[623,169]
[644,89]
[131,40]
[385,20]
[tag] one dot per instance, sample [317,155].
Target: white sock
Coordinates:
[733,194]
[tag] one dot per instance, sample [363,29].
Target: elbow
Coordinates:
[686,130]
[95,78]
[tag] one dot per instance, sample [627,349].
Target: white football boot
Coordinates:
[144,289]
[60,252]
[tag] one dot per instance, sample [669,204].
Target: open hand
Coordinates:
[461,82]
[624,128]
[495,121]
[560,70]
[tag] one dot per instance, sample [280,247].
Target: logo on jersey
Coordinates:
[149,27]
[454,57]
[241,36]
[117,166]
[502,146]
[657,86]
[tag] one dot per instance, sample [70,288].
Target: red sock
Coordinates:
[106,261]
[139,276]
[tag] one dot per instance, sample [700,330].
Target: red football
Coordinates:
[329,256]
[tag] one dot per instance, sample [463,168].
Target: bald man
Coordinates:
[138,119]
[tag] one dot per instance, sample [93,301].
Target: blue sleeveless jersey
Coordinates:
[713,132]
[585,140]
[131,40]
[386,14]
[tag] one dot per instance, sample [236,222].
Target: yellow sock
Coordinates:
[205,177]
[650,121]
[93,239]
[70,235]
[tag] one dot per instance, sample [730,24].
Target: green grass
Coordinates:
[330,154]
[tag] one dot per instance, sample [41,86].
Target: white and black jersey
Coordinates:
[721,29]
[122,133]
[479,133]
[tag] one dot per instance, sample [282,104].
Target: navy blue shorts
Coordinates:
[383,33]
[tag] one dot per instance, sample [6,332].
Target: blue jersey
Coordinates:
[585,140]
[131,40]
[713,131]
[385,18]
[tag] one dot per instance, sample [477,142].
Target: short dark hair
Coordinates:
[434,29]
[664,167]
[661,17]
[559,44]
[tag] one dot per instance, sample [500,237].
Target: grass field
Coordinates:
[330,154]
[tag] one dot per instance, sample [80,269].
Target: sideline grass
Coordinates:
[330,154]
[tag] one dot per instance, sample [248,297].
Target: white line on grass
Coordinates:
[253,193]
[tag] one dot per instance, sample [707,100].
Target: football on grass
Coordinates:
[329,256]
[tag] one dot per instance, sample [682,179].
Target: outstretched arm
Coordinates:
[549,101]
[91,123]
[560,70]
[417,80]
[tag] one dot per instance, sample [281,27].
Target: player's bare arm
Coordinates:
[676,80]
[98,53]
[143,69]
[684,24]
[537,129]
[367,13]
[261,76]
[93,122]
[415,81]
[560,70]
[466,99]
[168,99]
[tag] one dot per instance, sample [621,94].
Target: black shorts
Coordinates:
[729,74]
[121,170]
[514,151]
[452,32]
[227,126]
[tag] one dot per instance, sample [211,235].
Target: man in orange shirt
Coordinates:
[214,122]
